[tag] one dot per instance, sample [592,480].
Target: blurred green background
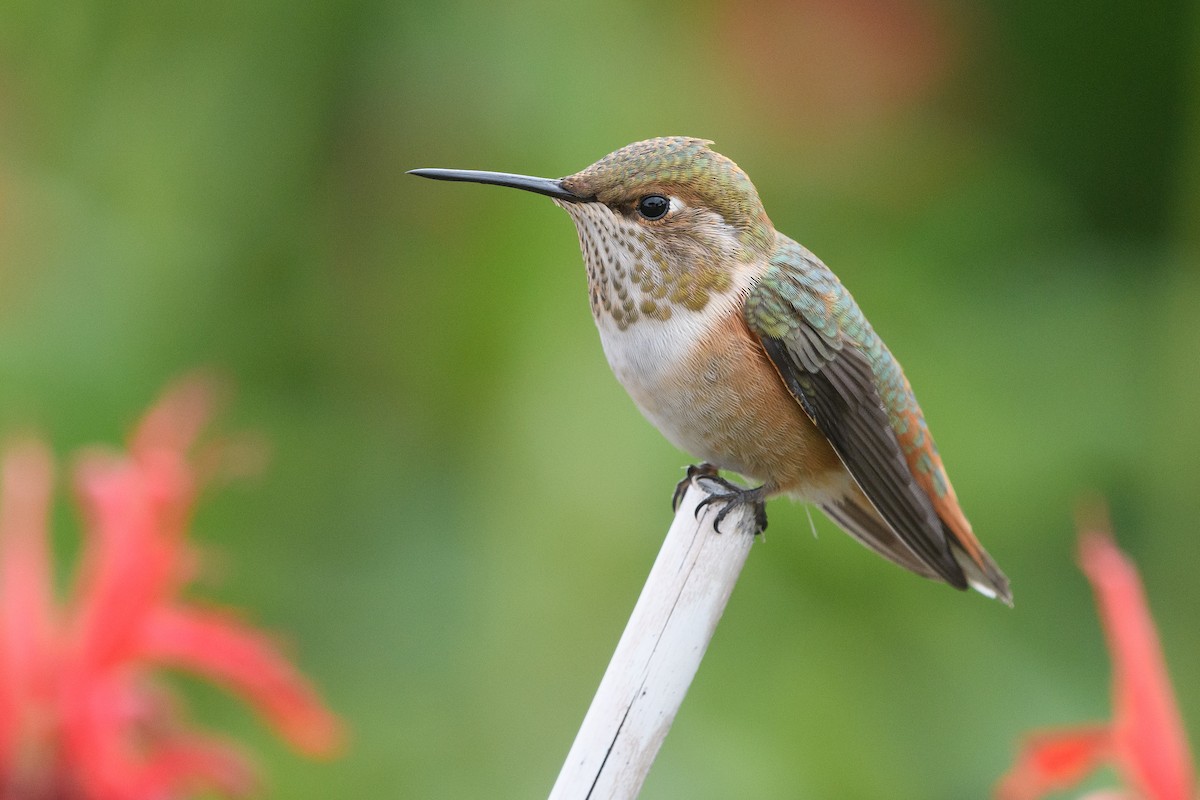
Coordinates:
[463,504]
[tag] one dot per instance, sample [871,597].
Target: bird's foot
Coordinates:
[731,496]
[701,470]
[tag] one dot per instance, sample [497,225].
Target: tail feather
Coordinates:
[854,514]
[856,517]
[983,576]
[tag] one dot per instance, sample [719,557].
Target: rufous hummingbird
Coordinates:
[745,350]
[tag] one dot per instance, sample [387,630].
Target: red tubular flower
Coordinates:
[1146,740]
[81,715]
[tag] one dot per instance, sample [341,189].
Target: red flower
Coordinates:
[81,715]
[1146,740]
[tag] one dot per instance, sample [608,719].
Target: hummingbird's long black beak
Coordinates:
[551,187]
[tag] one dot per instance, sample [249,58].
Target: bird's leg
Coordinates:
[701,470]
[731,496]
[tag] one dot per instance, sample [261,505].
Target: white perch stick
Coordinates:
[658,654]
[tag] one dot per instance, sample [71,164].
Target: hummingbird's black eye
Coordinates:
[653,206]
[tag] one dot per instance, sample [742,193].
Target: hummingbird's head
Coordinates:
[674,188]
[661,222]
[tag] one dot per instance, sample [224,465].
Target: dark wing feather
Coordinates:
[839,395]
[817,340]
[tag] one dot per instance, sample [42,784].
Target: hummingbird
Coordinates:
[747,352]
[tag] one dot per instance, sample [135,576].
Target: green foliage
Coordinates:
[462,502]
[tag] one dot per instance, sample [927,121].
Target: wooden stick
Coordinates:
[658,654]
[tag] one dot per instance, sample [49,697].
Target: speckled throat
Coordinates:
[631,278]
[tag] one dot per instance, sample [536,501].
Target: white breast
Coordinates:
[647,355]
[664,367]
[650,341]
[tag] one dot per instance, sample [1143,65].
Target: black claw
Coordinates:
[732,496]
[702,470]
